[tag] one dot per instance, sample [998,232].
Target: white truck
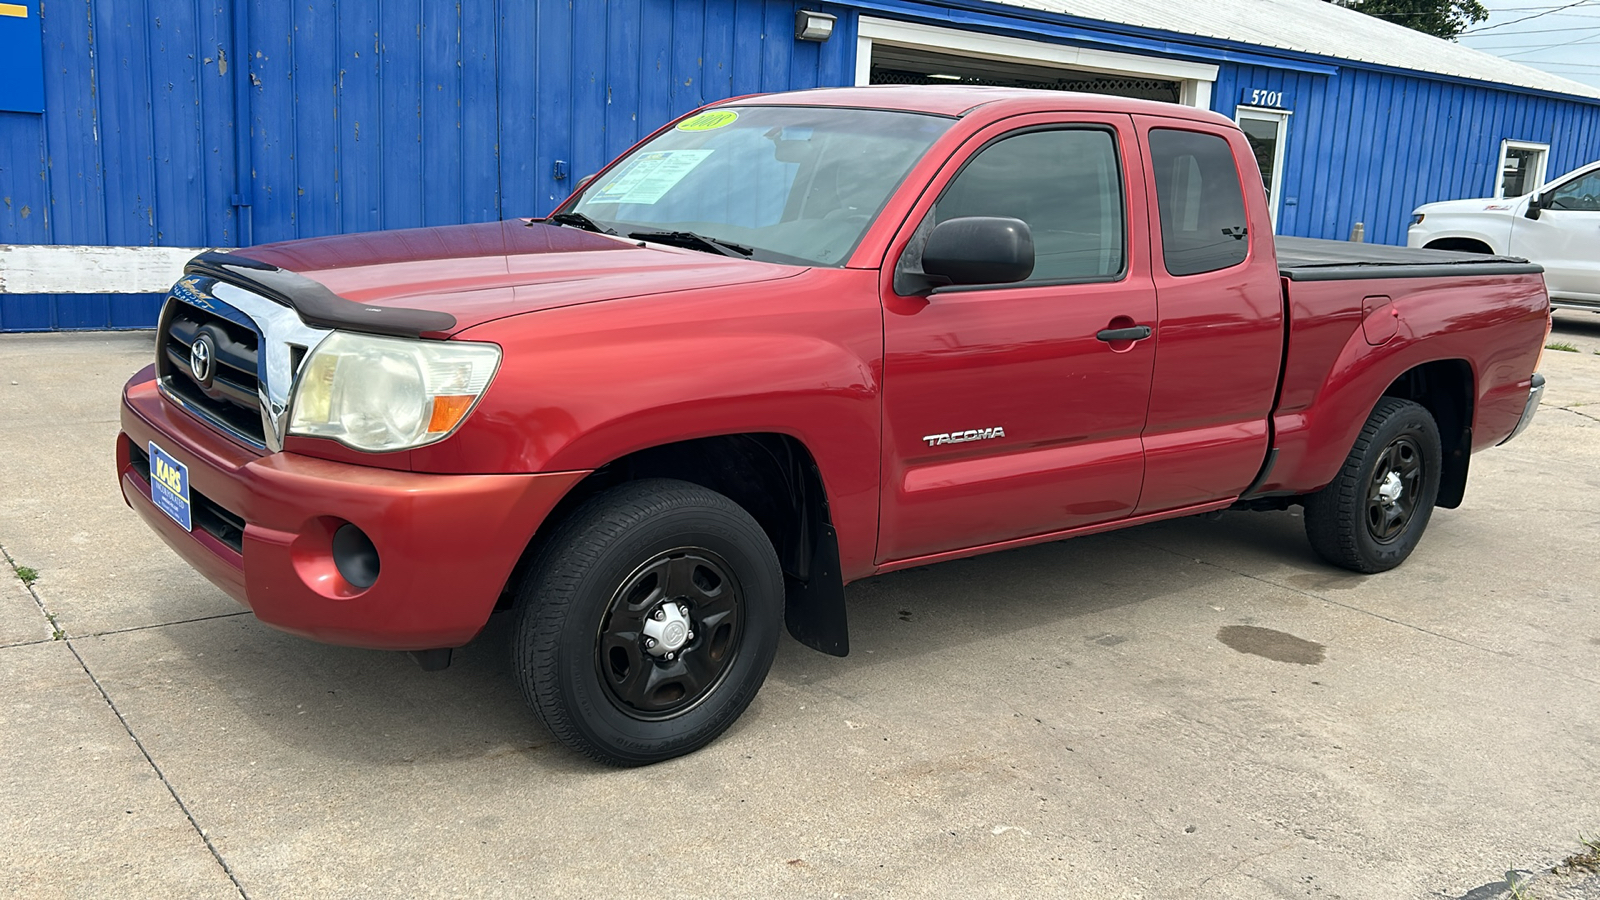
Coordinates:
[1557,226]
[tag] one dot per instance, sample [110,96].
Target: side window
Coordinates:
[1582,194]
[1066,184]
[1200,200]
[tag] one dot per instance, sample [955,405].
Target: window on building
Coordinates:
[1066,184]
[1266,130]
[1522,165]
[1201,202]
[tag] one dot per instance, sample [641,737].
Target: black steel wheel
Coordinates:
[670,634]
[1393,489]
[1373,513]
[647,621]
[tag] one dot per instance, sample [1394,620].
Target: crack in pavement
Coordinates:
[1239,865]
[242,612]
[128,727]
[28,643]
[1578,413]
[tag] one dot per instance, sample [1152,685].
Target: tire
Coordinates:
[1373,513]
[647,621]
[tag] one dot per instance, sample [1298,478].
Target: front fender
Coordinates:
[582,386]
[1496,238]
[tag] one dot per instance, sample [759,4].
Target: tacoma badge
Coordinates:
[961,437]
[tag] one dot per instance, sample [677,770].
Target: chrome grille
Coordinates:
[230,398]
[257,347]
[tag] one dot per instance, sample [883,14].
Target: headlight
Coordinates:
[380,393]
[1416,218]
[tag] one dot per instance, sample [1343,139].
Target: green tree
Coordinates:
[1440,18]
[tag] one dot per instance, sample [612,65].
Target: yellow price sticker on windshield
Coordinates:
[709,121]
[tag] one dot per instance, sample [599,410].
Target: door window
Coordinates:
[1580,194]
[1200,200]
[1066,184]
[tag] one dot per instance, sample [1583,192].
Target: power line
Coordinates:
[1579,40]
[1547,12]
[1546,31]
[1584,66]
[1532,48]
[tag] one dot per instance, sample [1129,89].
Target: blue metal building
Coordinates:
[220,123]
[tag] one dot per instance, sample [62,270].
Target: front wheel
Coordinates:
[1373,513]
[648,621]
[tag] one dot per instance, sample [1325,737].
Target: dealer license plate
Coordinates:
[169,486]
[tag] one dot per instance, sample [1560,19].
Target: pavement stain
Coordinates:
[1271,644]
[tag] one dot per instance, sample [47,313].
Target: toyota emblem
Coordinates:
[203,359]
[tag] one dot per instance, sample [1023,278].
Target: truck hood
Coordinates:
[477,273]
[1476,206]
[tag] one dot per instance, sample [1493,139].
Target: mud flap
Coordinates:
[813,608]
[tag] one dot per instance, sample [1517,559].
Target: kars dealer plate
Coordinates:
[169,486]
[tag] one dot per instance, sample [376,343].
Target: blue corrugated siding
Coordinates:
[1370,147]
[366,114]
[363,115]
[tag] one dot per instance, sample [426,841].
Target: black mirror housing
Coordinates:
[1535,206]
[980,250]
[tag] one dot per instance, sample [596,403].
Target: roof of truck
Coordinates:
[960,99]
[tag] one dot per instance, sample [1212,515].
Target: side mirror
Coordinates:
[1536,205]
[980,250]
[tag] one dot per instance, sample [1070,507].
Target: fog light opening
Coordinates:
[355,556]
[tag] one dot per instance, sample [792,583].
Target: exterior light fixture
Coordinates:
[813,26]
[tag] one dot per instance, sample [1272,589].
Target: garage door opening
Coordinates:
[891,52]
[901,65]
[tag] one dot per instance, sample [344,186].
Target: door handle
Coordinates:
[1136,333]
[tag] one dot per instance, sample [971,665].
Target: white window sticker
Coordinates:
[650,176]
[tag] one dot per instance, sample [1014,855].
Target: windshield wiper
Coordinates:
[689,240]
[577,220]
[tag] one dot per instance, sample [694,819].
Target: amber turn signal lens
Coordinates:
[448,412]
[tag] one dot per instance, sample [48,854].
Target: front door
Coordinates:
[1565,239]
[1005,416]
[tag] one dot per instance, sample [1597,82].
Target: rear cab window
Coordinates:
[1200,201]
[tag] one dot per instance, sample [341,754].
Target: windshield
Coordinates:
[789,183]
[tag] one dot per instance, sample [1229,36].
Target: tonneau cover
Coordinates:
[1309,259]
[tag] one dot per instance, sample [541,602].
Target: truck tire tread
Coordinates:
[1335,515]
[548,595]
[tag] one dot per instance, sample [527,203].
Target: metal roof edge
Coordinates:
[1096,33]
[993,15]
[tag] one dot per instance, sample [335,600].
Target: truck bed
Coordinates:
[1309,259]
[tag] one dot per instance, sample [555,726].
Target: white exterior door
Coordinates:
[1266,130]
[1565,239]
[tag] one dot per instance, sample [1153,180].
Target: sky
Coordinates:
[1559,36]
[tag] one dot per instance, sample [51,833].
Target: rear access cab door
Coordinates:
[1219,337]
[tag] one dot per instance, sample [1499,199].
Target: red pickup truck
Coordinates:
[789,342]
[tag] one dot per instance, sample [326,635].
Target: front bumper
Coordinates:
[1535,393]
[446,543]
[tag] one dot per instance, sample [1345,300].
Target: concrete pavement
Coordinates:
[1199,708]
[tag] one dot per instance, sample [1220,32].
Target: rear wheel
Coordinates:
[648,621]
[1373,513]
